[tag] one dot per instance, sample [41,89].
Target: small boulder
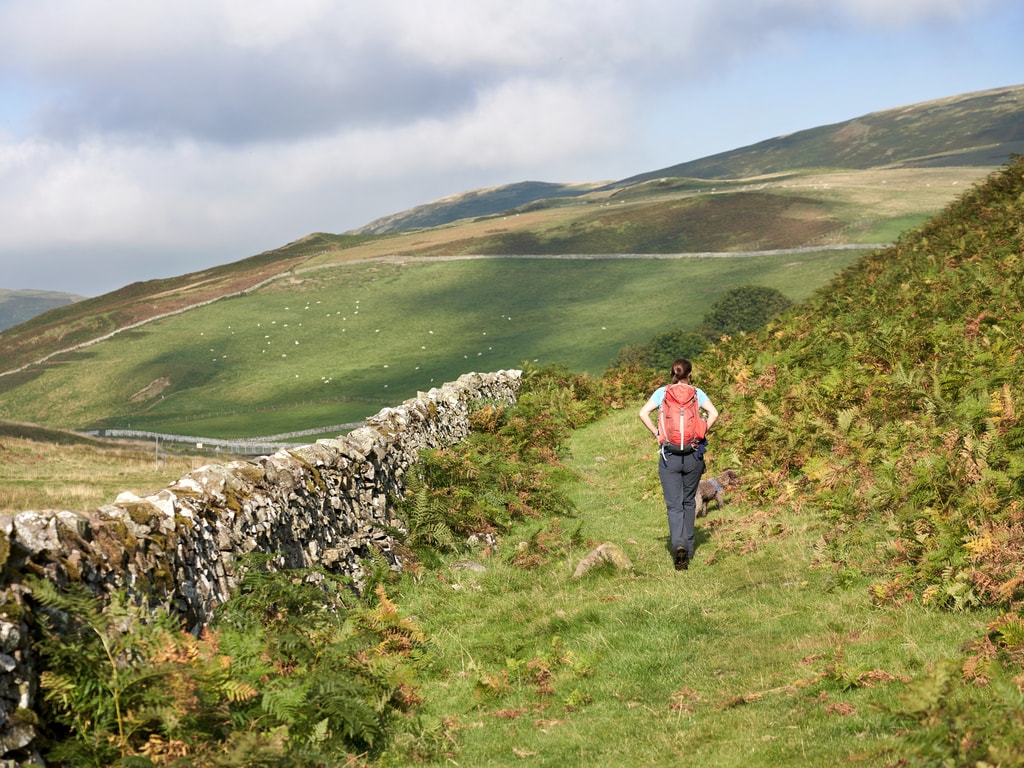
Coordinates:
[605,553]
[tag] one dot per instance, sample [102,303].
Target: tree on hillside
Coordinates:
[667,346]
[741,310]
[660,351]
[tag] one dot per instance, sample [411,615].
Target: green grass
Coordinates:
[754,656]
[232,368]
[46,470]
[336,345]
[877,539]
[889,231]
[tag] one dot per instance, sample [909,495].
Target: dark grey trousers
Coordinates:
[679,478]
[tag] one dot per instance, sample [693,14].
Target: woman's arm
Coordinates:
[645,415]
[711,411]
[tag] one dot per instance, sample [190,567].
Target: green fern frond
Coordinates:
[321,731]
[56,686]
[426,518]
[284,703]
[237,691]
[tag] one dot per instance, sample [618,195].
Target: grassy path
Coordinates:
[753,657]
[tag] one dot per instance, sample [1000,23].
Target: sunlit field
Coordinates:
[336,345]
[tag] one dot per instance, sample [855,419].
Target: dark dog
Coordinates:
[714,488]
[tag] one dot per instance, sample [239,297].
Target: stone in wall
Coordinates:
[324,504]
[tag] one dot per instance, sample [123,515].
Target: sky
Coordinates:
[143,139]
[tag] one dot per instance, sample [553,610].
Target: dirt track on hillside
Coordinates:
[399,259]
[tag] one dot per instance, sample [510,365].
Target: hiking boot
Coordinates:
[682,559]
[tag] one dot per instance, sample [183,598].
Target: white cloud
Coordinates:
[261,70]
[518,123]
[205,126]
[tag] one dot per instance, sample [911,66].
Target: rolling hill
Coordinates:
[972,129]
[979,129]
[19,306]
[582,273]
[856,601]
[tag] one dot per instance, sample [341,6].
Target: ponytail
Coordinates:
[681,369]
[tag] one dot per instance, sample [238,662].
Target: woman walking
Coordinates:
[680,465]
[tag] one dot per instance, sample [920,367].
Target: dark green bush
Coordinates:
[741,310]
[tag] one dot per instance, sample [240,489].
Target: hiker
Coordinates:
[681,464]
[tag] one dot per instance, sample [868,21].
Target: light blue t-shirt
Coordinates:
[659,395]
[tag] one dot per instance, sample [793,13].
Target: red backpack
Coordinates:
[680,425]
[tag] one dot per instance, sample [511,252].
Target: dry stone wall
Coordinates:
[327,504]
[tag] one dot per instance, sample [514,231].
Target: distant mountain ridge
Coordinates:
[478,202]
[973,129]
[17,306]
[979,129]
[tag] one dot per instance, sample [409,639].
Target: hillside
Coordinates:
[78,367]
[91,319]
[19,306]
[336,344]
[857,601]
[477,202]
[219,369]
[973,129]
[560,218]
[970,130]
[890,405]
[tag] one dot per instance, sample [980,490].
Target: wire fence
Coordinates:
[244,446]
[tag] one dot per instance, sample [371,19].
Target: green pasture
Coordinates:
[888,231]
[335,345]
[757,655]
